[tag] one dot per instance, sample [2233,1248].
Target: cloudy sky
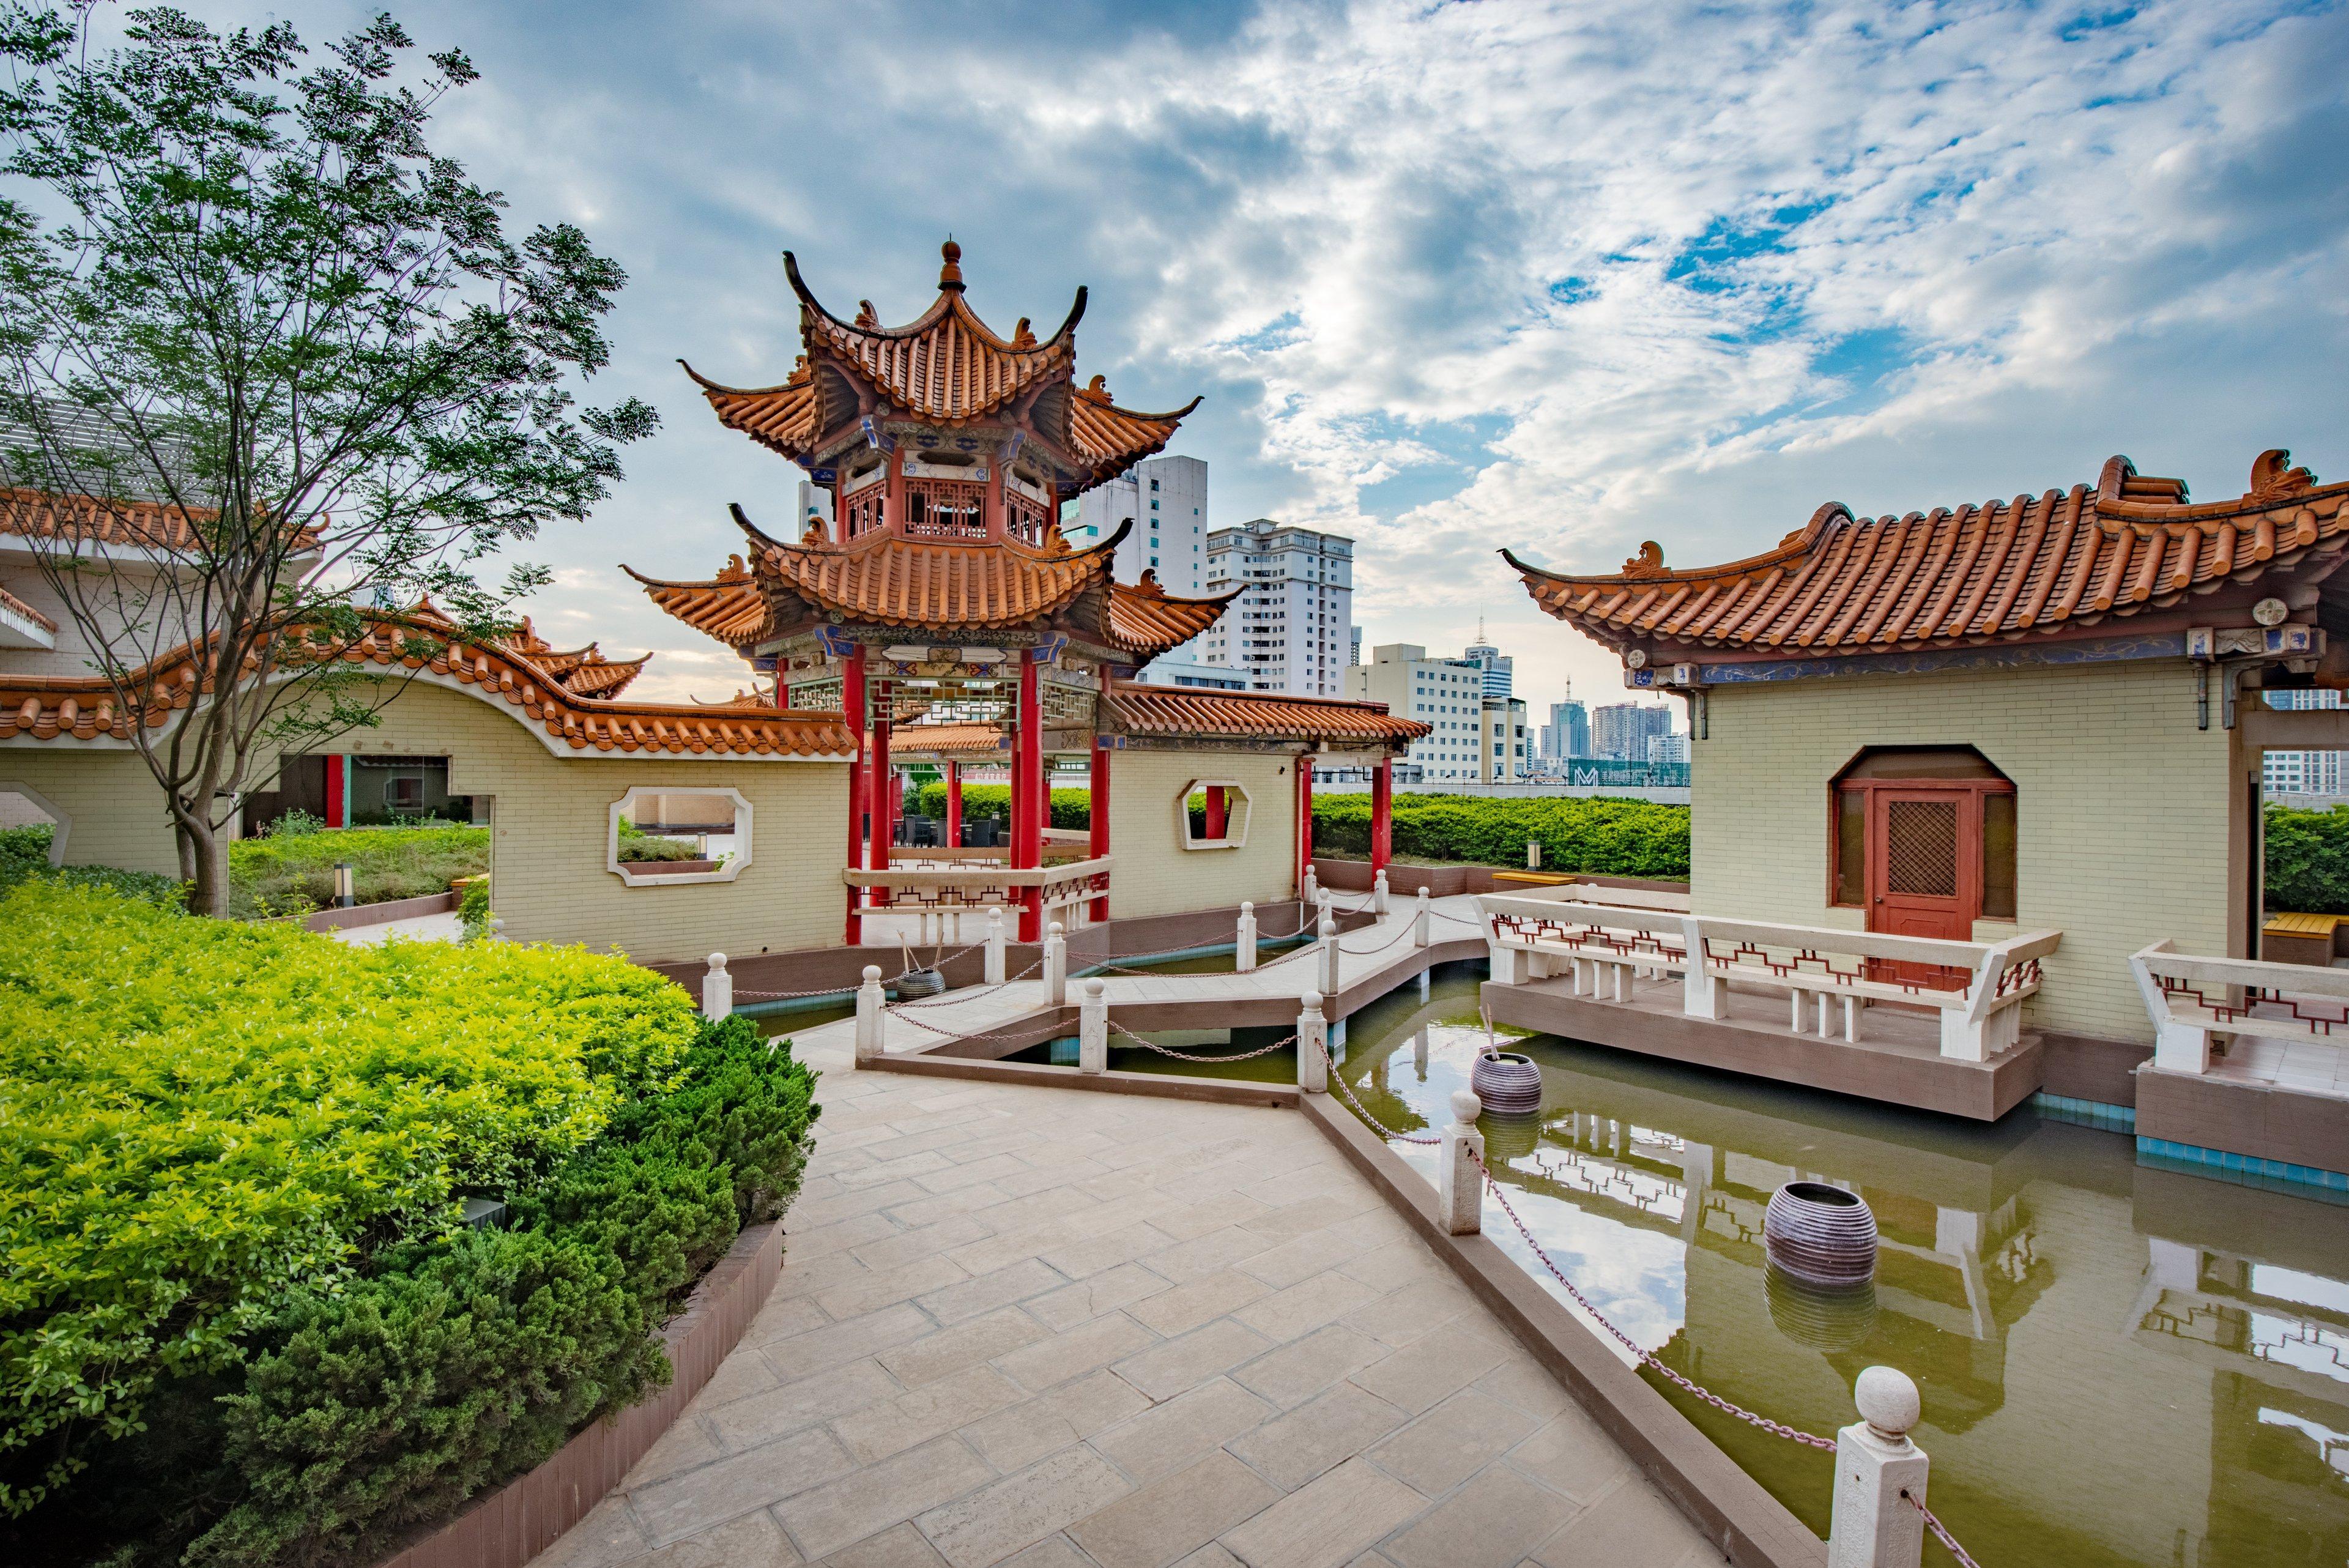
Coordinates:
[1451,277]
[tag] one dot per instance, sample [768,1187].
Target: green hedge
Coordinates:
[291,873]
[1072,808]
[1596,835]
[2307,860]
[24,857]
[234,1155]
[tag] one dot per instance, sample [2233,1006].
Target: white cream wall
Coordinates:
[1155,875]
[551,815]
[72,656]
[2122,806]
[112,806]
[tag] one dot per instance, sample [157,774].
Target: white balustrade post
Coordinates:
[1378,892]
[1312,1043]
[716,989]
[1704,994]
[1056,967]
[1459,1182]
[1418,921]
[995,969]
[1328,931]
[1092,1029]
[1312,894]
[1244,956]
[1873,1526]
[870,1021]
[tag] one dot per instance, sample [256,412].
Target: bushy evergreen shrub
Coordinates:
[2307,860]
[1600,835]
[1072,808]
[24,857]
[289,873]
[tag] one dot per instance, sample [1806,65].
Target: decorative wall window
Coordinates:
[664,836]
[863,508]
[946,509]
[1923,839]
[1212,814]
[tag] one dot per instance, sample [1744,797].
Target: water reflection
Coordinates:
[2120,1364]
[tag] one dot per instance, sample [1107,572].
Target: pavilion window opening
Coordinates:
[946,509]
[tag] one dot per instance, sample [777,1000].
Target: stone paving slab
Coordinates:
[1061,1330]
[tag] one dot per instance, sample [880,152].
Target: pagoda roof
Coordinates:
[886,579]
[947,367]
[2000,569]
[1198,712]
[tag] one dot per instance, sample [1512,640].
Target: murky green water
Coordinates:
[2121,1364]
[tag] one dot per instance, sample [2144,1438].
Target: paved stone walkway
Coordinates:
[1055,1328]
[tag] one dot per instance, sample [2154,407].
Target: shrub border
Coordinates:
[508,1527]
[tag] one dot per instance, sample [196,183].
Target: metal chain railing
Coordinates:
[1941,1531]
[972,993]
[1347,1093]
[1117,1028]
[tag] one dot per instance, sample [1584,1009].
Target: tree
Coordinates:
[285,364]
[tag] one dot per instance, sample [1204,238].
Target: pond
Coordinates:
[2121,1364]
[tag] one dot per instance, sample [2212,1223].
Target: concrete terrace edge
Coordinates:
[1036,1074]
[1737,1515]
[377,914]
[508,1527]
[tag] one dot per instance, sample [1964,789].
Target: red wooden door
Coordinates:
[1924,866]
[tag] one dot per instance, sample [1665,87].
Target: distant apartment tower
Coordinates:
[1447,694]
[1622,729]
[1500,672]
[2305,773]
[1292,629]
[1568,734]
[1502,754]
[1668,749]
[1167,499]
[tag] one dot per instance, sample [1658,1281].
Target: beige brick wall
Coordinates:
[552,815]
[113,809]
[1155,875]
[2122,809]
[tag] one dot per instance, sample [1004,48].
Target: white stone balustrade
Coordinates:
[1459,1173]
[1872,1525]
[949,887]
[1243,953]
[995,951]
[1326,931]
[1830,976]
[716,989]
[1056,965]
[871,1022]
[1378,892]
[2192,999]
[1092,1029]
[1420,921]
[1312,1043]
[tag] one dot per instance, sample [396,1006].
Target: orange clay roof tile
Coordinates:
[2001,569]
[1201,712]
[86,708]
[18,607]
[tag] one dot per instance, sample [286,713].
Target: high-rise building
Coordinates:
[1568,734]
[1292,627]
[1166,497]
[1502,754]
[1500,671]
[1622,729]
[1672,748]
[1445,693]
[2305,773]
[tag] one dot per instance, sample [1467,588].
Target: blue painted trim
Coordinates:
[2086,1112]
[2250,1169]
[2009,656]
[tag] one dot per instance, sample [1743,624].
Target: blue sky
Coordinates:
[1451,277]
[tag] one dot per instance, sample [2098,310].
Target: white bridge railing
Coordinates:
[1977,988]
[953,887]
[2191,999]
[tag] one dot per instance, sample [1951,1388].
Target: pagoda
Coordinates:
[938,602]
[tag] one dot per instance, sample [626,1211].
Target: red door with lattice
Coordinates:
[1923,863]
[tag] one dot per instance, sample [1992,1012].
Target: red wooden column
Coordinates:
[1097,845]
[882,779]
[895,498]
[1217,823]
[1027,794]
[851,709]
[1304,819]
[338,808]
[1382,815]
[954,805]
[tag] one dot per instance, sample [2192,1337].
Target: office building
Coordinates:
[1622,729]
[2303,772]
[1568,734]
[1499,669]
[1447,694]
[1291,628]
[1667,749]
[1502,755]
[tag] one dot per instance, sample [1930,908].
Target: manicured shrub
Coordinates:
[2307,860]
[739,1105]
[201,1119]
[388,1405]
[290,873]
[1598,835]
[1071,809]
[24,857]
